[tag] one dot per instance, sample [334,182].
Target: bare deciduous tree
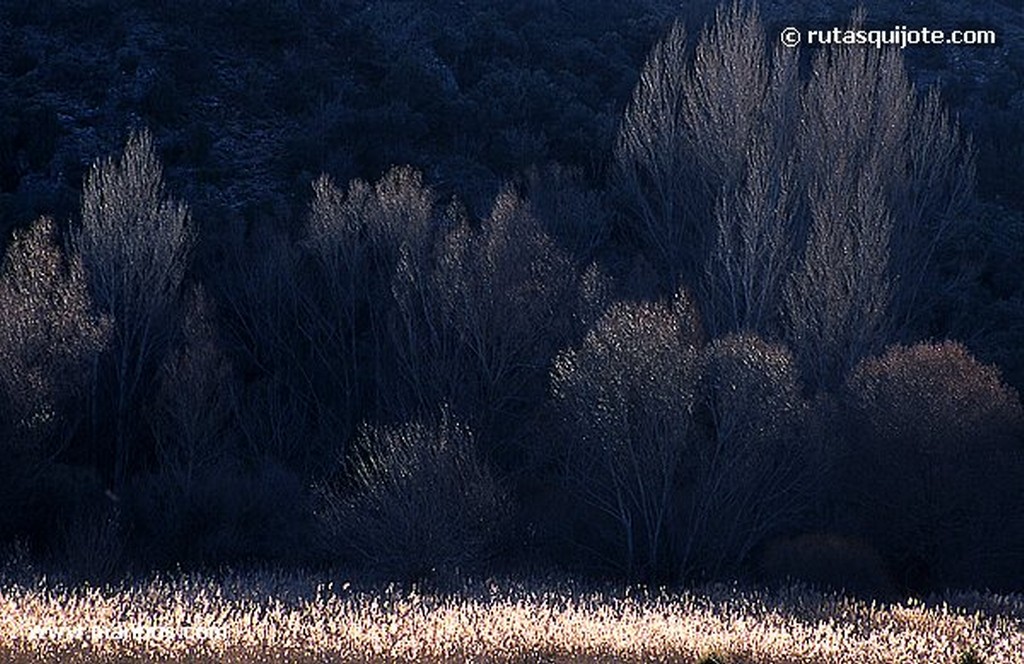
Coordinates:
[625,398]
[358,240]
[806,211]
[195,399]
[742,103]
[50,335]
[884,187]
[135,245]
[838,301]
[687,456]
[482,314]
[260,306]
[655,175]
[705,163]
[746,475]
[929,203]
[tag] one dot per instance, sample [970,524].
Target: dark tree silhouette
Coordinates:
[934,468]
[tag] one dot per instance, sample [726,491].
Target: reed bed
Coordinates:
[296,617]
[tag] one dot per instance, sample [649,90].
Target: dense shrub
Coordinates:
[828,561]
[418,503]
[935,465]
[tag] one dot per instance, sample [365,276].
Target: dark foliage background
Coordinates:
[433,288]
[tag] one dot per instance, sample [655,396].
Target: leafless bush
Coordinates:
[421,503]
[935,466]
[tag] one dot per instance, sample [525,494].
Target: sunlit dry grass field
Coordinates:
[275,617]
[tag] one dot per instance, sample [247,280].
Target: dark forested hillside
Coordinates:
[432,288]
